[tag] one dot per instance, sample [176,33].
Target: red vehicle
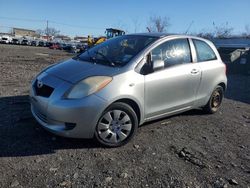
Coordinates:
[55,46]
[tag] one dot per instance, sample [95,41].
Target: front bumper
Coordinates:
[55,113]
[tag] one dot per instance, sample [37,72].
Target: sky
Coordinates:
[91,17]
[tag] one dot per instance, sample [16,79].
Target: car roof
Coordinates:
[163,35]
[151,34]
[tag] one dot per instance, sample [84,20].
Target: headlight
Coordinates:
[88,86]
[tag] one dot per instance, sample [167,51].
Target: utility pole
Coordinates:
[47,30]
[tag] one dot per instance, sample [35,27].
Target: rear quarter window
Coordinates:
[204,51]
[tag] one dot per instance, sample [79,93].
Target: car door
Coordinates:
[211,70]
[174,87]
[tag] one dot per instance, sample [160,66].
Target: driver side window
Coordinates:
[172,52]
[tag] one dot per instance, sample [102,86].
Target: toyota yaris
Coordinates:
[109,90]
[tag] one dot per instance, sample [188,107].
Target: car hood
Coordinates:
[74,71]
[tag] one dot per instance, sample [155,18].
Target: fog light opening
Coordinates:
[69,126]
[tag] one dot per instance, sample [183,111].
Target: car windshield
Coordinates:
[117,51]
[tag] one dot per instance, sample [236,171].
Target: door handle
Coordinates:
[194,71]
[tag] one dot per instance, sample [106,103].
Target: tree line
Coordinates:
[162,24]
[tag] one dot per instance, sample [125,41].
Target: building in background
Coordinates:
[81,39]
[46,37]
[62,38]
[19,32]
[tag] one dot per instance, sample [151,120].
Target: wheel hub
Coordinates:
[216,99]
[115,126]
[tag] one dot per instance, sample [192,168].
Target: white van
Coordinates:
[6,39]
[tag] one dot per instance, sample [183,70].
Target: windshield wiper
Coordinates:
[111,63]
[78,57]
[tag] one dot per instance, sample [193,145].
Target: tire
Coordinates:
[215,101]
[117,125]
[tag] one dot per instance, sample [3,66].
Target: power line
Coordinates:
[22,19]
[69,25]
[4,26]
[51,21]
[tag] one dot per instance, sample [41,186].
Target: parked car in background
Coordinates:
[55,46]
[48,44]
[41,43]
[110,89]
[6,39]
[67,47]
[81,47]
[15,41]
[25,42]
[72,48]
[34,43]
[61,46]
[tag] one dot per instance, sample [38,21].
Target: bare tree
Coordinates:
[121,25]
[206,33]
[40,31]
[246,33]
[247,28]
[48,31]
[136,24]
[51,31]
[223,30]
[158,24]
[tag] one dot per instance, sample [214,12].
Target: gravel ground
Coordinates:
[187,150]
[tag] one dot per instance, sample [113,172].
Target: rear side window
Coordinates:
[204,51]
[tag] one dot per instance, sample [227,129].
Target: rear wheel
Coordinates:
[117,125]
[215,100]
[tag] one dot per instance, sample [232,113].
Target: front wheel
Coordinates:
[215,100]
[117,125]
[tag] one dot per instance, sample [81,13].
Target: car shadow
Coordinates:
[21,135]
[193,112]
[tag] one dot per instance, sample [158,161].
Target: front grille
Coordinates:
[41,116]
[44,91]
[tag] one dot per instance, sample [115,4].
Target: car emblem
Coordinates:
[39,84]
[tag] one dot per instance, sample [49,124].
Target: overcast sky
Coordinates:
[91,17]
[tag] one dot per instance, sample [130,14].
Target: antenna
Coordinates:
[149,30]
[189,27]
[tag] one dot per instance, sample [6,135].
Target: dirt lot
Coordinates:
[188,150]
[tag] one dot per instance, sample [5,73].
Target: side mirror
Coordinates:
[158,65]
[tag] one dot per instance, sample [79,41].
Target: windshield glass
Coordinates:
[117,51]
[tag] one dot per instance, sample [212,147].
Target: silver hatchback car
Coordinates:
[109,90]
